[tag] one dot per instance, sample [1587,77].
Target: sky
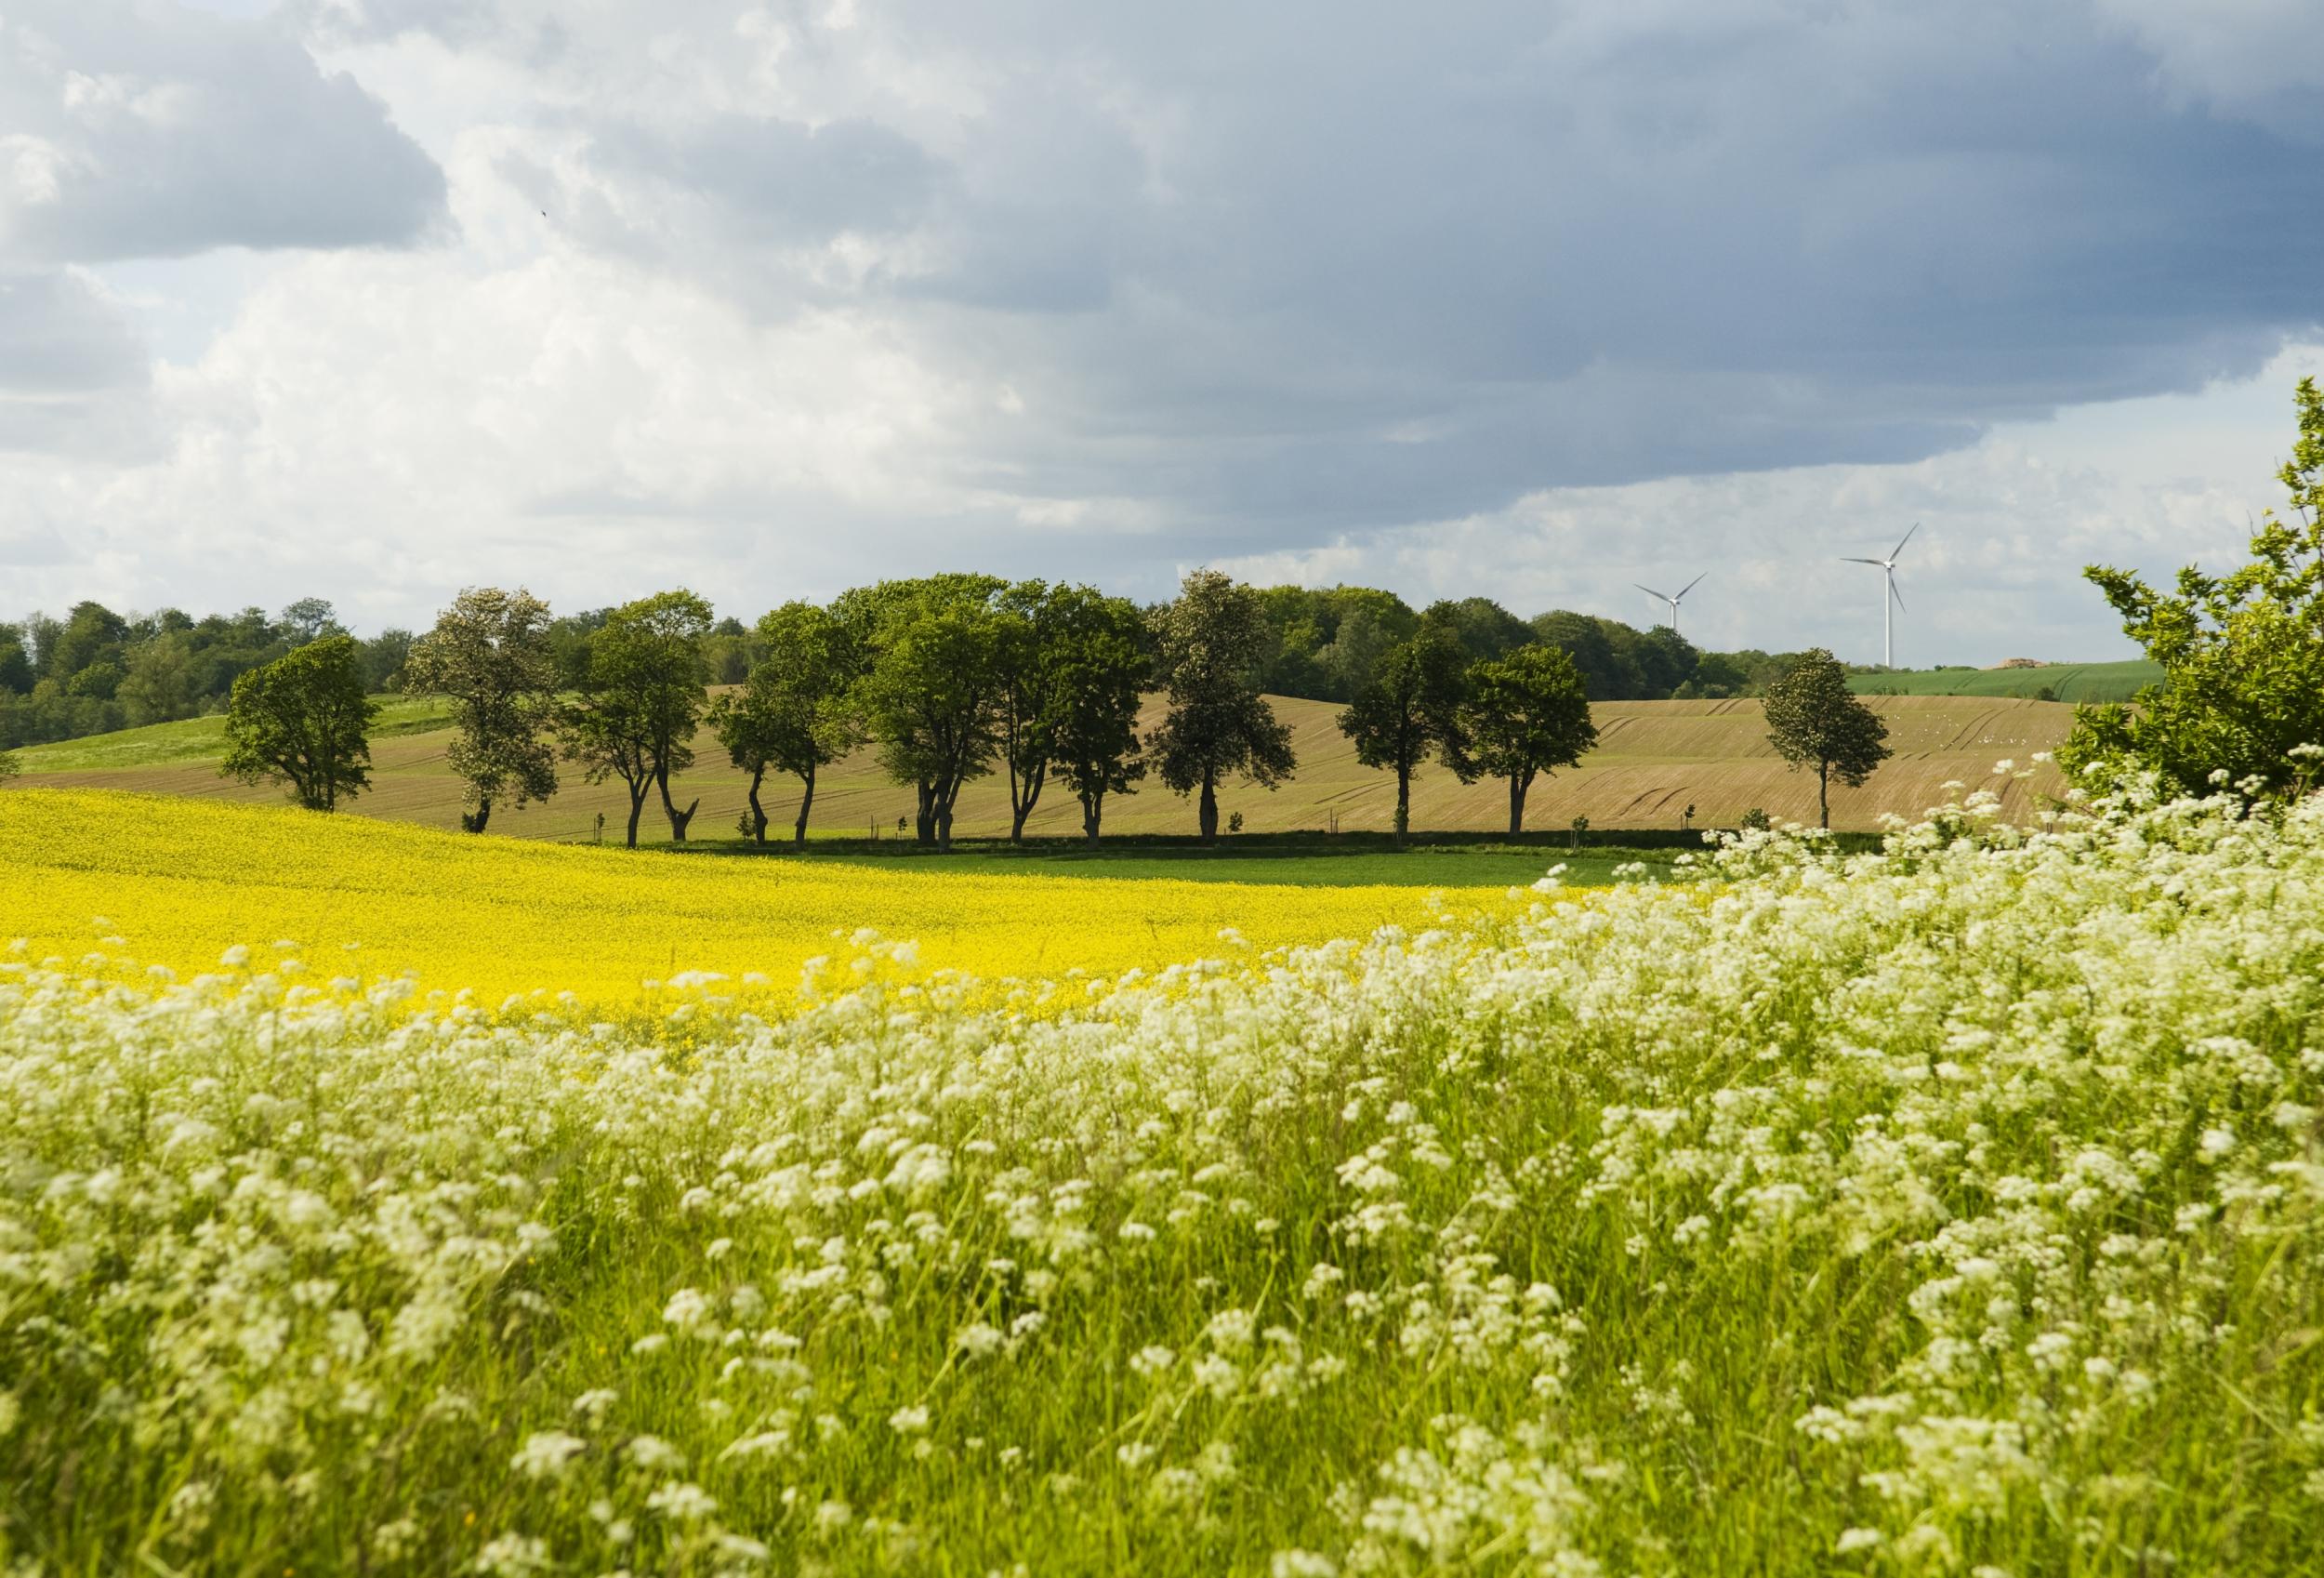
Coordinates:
[374,300]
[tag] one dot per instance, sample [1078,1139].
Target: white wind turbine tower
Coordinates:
[1888,574]
[1674,602]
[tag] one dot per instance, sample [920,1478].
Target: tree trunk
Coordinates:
[1090,804]
[678,819]
[1209,809]
[943,826]
[637,809]
[1404,803]
[1823,792]
[799,828]
[757,812]
[473,821]
[1516,804]
[924,819]
[1022,800]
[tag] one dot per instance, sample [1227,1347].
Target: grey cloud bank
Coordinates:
[1109,291]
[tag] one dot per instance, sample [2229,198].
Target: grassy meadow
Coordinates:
[1654,759]
[1949,1209]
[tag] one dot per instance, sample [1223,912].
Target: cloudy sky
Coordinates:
[376,299]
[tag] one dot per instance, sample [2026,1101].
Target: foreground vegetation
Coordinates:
[1952,1208]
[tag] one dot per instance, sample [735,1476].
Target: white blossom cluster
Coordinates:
[1950,1209]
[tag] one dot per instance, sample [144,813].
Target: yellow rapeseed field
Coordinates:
[178,883]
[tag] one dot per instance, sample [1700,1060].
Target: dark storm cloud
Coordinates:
[139,128]
[1298,269]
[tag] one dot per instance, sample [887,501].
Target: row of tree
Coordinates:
[950,678]
[96,671]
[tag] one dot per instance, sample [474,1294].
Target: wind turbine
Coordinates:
[1888,574]
[1674,602]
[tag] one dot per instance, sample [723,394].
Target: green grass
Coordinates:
[2065,682]
[1308,865]
[194,740]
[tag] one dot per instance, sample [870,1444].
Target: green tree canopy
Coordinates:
[2243,655]
[930,694]
[1483,628]
[1528,714]
[641,698]
[1099,670]
[795,712]
[1815,720]
[1212,641]
[489,654]
[303,720]
[1411,709]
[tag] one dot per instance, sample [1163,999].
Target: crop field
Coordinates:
[1950,1209]
[175,883]
[1655,759]
[2065,682]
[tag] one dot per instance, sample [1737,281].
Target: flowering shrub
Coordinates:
[1952,1209]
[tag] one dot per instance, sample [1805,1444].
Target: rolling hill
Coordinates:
[1655,759]
[2065,682]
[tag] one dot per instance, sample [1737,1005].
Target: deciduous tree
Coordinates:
[641,698]
[303,720]
[794,712]
[489,654]
[1097,671]
[1070,666]
[311,618]
[2243,655]
[1815,720]
[1212,642]
[1526,715]
[1411,709]
[930,694]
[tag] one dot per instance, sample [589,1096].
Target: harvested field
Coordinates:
[1654,759]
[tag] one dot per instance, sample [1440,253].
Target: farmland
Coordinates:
[178,884]
[1654,759]
[1949,1209]
[2062,682]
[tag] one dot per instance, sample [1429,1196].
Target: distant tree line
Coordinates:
[96,671]
[1328,644]
[947,678]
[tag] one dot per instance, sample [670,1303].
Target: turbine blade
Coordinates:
[1650,592]
[1904,539]
[1894,593]
[1690,586]
[1846,559]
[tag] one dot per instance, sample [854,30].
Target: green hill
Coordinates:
[2065,682]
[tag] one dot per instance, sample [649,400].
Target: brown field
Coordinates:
[1655,759]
